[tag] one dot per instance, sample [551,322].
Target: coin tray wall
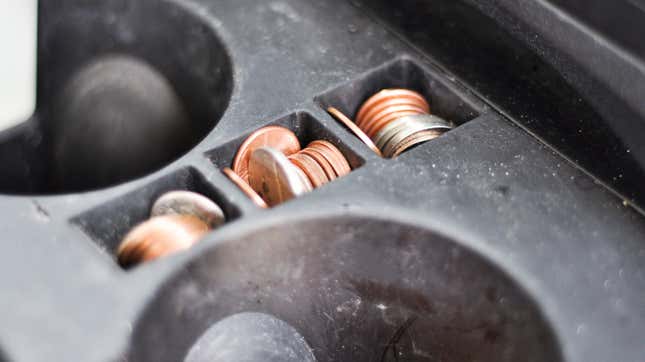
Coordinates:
[477,245]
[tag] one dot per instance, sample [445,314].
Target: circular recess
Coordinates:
[357,289]
[124,88]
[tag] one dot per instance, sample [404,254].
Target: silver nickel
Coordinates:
[182,202]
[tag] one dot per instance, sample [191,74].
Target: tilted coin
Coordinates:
[354,128]
[189,203]
[274,177]
[245,187]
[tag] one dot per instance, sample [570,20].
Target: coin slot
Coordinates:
[357,289]
[108,223]
[447,99]
[307,130]
[117,97]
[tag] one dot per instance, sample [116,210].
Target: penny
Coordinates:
[160,236]
[354,128]
[334,156]
[416,139]
[245,187]
[311,168]
[374,125]
[395,102]
[279,138]
[189,203]
[274,177]
[387,94]
[320,158]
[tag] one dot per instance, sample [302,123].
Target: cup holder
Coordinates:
[357,289]
[124,88]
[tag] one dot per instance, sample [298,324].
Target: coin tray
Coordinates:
[484,244]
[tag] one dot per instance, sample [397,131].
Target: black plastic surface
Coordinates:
[483,244]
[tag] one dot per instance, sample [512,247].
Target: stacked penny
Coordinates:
[178,220]
[272,164]
[394,120]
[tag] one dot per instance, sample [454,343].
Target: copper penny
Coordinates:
[320,158]
[160,236]
[279,138]
[311,168]
[334,156]
[274,177]
[394,102]
[354,128]
[389,115]
[245,187]
[189,203]
[387,94]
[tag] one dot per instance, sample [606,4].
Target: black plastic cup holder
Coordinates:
[358,289]
[446,97]
[108,223]
[179,45]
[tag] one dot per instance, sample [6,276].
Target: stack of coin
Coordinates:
[278,178]
[394,120]
[270,167]
[179,219]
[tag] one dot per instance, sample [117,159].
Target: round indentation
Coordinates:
[124,88]
[357,289]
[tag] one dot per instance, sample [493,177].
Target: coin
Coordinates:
[320,158]
[334,156]
[386,95]
[412,125]
[354,128]
[279,138]
[245,187]
[274,177]
[310,167]
[374,125]
[387,132]
[395,102]
[189,203]
[416,139]
[160,236]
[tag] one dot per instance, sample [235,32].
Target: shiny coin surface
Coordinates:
[386,95]
[334,156]
[310,167]
[189,203]
[416,139]
[354,128]
[414,124]
[160,236]
[374,125]
[279,138]
[274,177]
[245,187]
[321,160]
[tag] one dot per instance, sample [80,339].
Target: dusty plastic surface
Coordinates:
[483,243]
